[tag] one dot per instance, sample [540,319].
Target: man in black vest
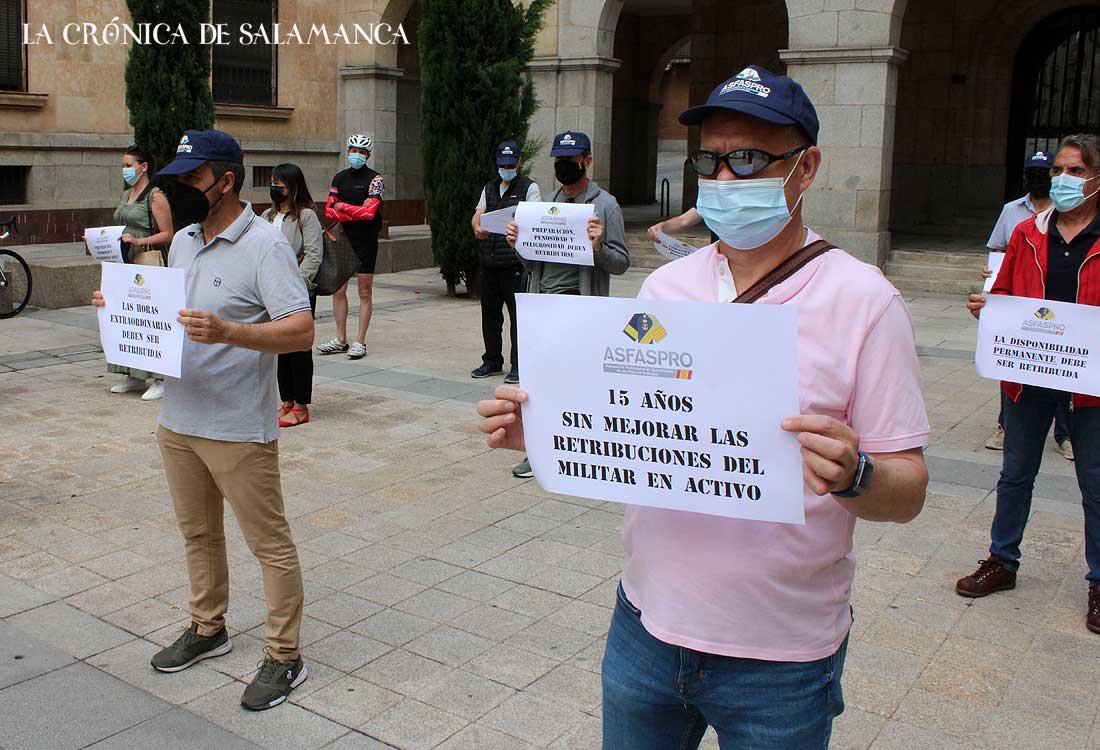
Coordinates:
[501,268]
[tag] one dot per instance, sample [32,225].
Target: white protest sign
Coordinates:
[103,243]
[994,263]
[137,326]
[555,232]
[1039,342]
[672,248]
[496,222]
[666,404]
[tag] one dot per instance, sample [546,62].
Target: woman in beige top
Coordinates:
[292,212]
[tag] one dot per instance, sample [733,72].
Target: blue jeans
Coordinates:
[1061,420]
[662,697]
[1026,425]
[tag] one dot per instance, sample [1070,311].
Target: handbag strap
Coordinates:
[784,271]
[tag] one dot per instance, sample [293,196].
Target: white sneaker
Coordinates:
[129,385]
[155,392]
[357,351]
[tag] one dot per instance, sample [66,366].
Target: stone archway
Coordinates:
[641,46]
[953,160]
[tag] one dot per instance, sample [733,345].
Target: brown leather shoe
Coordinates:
[1092,617]
[990,577]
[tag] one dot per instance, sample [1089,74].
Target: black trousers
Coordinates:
[498,289]
[296,371]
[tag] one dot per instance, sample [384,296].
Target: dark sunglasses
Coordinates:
[743,163]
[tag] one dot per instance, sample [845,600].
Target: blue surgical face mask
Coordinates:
[1068,192]
[130,175]
[507,174]
[745,213]
[357,161]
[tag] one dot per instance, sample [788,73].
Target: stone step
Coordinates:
[909,285]
[932,272]
[940,260]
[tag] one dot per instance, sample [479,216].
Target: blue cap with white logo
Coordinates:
[570,143]
[508,154]
[1040,159]
[764,95]
[197,147]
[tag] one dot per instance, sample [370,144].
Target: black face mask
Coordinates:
[278,195]
[568,172]
[189,205]
[1037,182]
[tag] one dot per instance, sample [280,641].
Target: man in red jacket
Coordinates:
[1054,255]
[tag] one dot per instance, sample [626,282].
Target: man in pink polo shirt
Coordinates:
[743,625]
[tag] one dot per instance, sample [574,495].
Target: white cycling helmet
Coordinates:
[360,141]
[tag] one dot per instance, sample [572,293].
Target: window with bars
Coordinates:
[13,60]
[1063,79]
[13,185]
[245,73]
[261,176]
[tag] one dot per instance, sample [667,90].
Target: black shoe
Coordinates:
[191,648]
[485,371]
[512,378]
[273,683]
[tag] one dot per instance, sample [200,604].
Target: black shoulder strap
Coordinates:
[784,271]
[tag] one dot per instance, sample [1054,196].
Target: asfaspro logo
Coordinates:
[1045,321]
[748,80]
[644,328]
[185,146]
[139,290]
[646,359]
[567,140]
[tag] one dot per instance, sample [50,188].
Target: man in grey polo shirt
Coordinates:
[218,427]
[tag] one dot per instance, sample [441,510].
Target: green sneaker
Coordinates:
[273,683]
[190,648]
[522,470]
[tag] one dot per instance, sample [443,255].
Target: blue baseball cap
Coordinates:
[570,143]
[197,147]
[1040,159]
[764,95]
[508,154]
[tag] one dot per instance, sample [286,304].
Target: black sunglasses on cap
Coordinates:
[743,163]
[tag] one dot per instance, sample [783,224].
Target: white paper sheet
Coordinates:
[137,326]
[555,232]
[496,222]
[635,402]
[103,243]
[1039,342]
[670,247]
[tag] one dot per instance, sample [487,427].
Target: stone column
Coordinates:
[368,94]
[855,92]
[575,93]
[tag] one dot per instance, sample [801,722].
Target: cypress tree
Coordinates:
[168,86]
[475,93]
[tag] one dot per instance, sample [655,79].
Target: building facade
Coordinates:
[928,107]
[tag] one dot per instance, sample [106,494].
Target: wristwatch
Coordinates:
[862,481]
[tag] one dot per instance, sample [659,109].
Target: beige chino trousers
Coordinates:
[201,473]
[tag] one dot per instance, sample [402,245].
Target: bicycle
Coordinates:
[15,281]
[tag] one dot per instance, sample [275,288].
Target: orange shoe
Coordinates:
[296,416]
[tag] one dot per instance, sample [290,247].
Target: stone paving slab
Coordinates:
[451,606]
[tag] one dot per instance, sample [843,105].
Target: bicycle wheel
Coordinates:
[15,284]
